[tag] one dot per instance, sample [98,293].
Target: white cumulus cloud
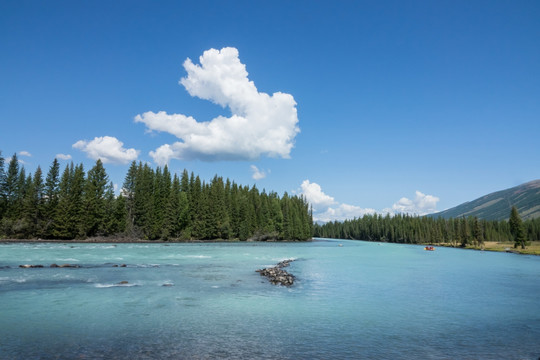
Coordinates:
[257,173]
[260,124]
[63,156]
[25,153]
[315,196]
[107,148]
[342,212]
[421,205]
[326,208]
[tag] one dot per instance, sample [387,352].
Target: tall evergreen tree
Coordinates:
[111,224]
[96,183]
[128,192]
[516,228]
[11,185]
[2,187]
[61,224]
[143,201]
[33,205]
[50,199]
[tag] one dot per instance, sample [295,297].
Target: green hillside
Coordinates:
[497,205]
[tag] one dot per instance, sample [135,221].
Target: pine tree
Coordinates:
[11,186]
[143,201]
[120,215]
[51,198]
[61,224]
[172,215]
[128,192]
[76,207]
[162,188]
[110,224]
[32,207]
[478,233]
[96,183]
[516,228]
[2,187]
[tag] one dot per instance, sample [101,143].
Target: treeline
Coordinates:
[425,230]
[153,204]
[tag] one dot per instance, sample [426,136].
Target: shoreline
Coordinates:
[501,247]
[126,240]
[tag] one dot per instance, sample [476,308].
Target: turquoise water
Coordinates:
[359,301]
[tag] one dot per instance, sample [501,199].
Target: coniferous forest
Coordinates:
[425,230]
[72,203]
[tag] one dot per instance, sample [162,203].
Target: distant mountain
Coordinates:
[497,205]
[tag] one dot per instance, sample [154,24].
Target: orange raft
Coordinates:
[429,248]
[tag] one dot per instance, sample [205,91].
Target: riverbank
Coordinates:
[532,249]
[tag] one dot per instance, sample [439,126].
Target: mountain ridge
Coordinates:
[497,205]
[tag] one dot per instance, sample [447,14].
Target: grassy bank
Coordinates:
[532,249]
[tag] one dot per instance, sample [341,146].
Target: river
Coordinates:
[360,300]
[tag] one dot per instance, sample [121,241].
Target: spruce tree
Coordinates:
[128,192]
[11,186]
[95,187]
[32,208]
[50,199]
[2,186]
[143,201]
[516,228]
[172,215]
[61,224]
[110,224]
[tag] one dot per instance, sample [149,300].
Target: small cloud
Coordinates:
[63,156]
[343,212]
[107,148]
[258,174]
[421,205]
[325,208]
[314,195]
[260,124]
[25,153]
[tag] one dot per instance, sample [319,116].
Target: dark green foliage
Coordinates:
[152,205]
[50,199]
[516,228]
[2,187]
[425,230]
[11,186]
[128,191]
[94,199]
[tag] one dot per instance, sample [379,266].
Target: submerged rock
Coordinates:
[27,266]
[276,275]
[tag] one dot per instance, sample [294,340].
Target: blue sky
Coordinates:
[392,105]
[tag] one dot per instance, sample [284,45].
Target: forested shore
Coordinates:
[153,204]
[426,230]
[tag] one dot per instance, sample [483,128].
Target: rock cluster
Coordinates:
[65,266]
[28,266]
[276,274]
